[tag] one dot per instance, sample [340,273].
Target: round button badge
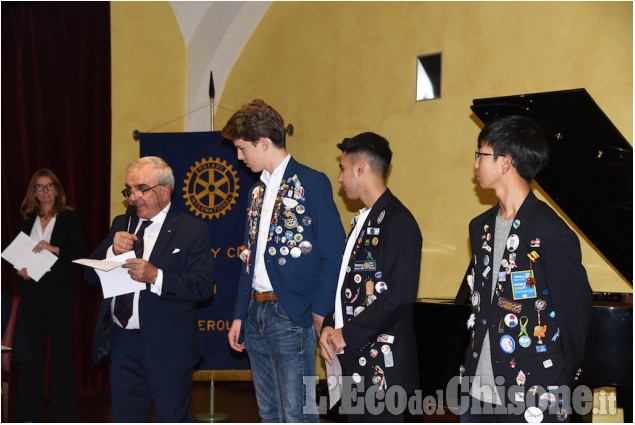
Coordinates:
[524,341]
[507,344]
[540,304]
[380,287]
[547,400]
[533,415]
[512,242]
[476,299]
[305,247]
[511,320]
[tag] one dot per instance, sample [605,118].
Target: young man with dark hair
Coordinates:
[293,238]
[531,300]
[371,328]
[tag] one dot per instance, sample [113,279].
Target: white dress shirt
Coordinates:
[38,234]
[272,182]
[361,220]
[149,240]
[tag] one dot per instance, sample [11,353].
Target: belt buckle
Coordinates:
[263,297]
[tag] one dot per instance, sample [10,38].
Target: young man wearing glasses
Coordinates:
[531,300]
[152,334]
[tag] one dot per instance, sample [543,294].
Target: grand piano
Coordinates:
[590,177]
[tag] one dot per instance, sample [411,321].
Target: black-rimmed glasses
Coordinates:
[137,192]
[41,187]
[477,155]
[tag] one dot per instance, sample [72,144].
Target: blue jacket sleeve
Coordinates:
[330,240]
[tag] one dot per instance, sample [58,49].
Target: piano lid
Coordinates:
[590,169]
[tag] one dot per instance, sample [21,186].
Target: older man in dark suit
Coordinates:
[372,329]
[152,334]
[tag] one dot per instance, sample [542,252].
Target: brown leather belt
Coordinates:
[263,297]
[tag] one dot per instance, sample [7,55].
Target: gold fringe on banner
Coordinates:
[222,375]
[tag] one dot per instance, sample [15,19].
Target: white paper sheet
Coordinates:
[105,265]
[20,254]
[117,281]
[333,375]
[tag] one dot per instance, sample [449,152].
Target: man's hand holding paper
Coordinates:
[141,270]
[119,281]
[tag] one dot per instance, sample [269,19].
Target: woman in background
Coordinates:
[48,306]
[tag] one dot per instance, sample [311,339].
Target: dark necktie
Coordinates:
[123,303]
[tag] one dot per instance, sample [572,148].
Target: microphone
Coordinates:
[131,211]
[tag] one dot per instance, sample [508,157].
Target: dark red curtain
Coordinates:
[56,114]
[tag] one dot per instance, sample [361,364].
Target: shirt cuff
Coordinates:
[157,286]
[110,253]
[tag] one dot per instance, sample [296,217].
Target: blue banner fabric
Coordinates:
[211,185]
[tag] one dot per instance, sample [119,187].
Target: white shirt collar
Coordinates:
[160,217]
[266,177]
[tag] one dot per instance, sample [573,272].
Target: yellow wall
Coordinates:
[148,81]
[335,69]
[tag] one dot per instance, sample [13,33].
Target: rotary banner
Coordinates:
[211,185]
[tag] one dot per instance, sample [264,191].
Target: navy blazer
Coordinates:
[561,290]
[169,330]
[307,283]
[388,254]
[68,237]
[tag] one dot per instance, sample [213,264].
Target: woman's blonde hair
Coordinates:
[31,204]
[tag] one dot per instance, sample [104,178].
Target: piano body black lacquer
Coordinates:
[590,177]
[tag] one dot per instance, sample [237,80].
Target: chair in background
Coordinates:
[7,341]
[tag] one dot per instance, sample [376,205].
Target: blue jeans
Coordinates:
[281,354]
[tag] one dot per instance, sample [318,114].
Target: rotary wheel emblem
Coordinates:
[211,188]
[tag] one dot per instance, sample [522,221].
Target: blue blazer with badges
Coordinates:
[380,337]
[169,328]
[539,242]
[303,266]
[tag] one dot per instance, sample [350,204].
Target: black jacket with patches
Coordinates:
[561,294]
[388,254]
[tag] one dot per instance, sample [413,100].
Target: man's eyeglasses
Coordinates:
[137,192]
[41,187]
[477,155]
